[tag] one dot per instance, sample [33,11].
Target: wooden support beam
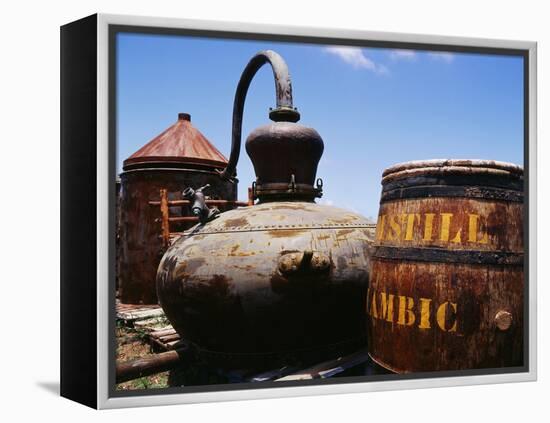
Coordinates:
[183,219]
[329,368]
[165,218]
[150,365]
[178,203]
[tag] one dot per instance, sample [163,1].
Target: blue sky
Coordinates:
[373,107]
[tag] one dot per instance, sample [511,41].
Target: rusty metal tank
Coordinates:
[283,279]
[179,157]
[446,287]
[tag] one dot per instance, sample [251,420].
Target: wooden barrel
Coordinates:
[446,285]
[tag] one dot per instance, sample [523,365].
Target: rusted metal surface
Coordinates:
[180,144]
[283,92]
[117,231]
[224,285]
[167,234]
[184,219]
[282,278]
[446,288]
[297,148]
[141,243]
[178,158]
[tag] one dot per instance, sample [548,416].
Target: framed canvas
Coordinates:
[379,234]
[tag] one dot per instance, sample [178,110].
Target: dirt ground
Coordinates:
[132,344]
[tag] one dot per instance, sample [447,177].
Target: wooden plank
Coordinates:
[172,344]
[165,218]
[329,368]
[149,365]
[177,203]
[164,338]
[163,332]
[156,345]
[149,325]
[131,316]
[273,374]
[169,338]
[183,219]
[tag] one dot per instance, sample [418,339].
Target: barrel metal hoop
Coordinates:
[516,184]
[448,256]
[293,188]
[386,366]
[430,191]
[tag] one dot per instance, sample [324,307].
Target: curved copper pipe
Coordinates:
[284,111]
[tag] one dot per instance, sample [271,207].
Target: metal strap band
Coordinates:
[275,188]
[455,180]
[478,192]
[448,256]
[200,230]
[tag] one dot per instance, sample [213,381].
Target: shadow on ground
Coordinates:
[51,387]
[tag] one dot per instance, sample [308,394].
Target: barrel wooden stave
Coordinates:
[431,343]
[447,264]
[498,221]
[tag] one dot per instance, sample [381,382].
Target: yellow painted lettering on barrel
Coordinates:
[411,217]
[373,308]
[445,226]
[367,302]
[473,226]
[484,239]
[405,315]
[395,227]
[380,225]
[425,313]
[458,237]
[386,307]
[441,316]
[428,226]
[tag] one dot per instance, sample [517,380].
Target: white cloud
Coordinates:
[442,56]
[399,54]
[356,57]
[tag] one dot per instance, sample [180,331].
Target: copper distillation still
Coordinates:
[284,279]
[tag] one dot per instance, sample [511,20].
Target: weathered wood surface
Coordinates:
[328,368]
[165,339]
[141,243]
[168,237]
[150,324]
[446,287]
[168,330]
[209,202]
[165,218]
[130,316]
[150,365]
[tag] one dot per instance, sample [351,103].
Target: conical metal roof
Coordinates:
[181,145]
